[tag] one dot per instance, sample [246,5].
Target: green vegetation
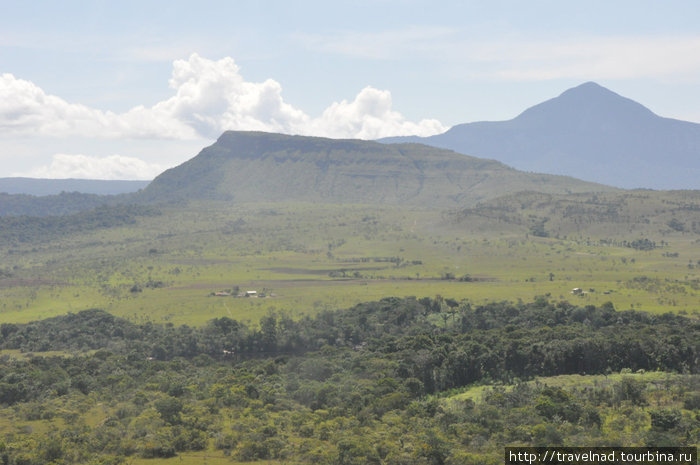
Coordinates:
[209,329]
[35,229]
[263,167]
[65,203]
[363,385]
[310,257]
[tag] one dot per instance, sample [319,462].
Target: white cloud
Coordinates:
[25,109]
[209,98]
[78,166]
[370,116]
[212,96]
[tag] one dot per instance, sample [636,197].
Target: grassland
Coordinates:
[309,257]
[654,381]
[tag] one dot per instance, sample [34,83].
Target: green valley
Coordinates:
[282,299]
[164,264]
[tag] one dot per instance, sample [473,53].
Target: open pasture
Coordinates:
[308,257]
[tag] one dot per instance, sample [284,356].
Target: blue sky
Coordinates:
[126,89]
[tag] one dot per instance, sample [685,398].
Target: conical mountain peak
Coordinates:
[590,101]
[587,132]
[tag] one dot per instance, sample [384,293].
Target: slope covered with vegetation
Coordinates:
[35,229]
[216,328]
[263,167]
[612,214]
[65,203]
[371,384]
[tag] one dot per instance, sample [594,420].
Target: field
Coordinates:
[653,380]
[307,257]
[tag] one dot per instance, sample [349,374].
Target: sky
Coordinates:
[125,90]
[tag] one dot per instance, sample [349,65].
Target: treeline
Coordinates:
[440,342]
[349,387]
[65,203]
[29,229]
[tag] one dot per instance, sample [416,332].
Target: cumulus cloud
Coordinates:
[370,116]
[209,97]
[212,96]
[79,166]
[25,109]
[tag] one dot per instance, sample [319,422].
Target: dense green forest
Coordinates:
[65,203]
[378,383]
[39,228]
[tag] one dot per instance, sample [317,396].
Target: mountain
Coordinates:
[588,132]
[34,186]
[265,167]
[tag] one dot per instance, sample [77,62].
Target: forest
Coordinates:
[387,382]
[35,229]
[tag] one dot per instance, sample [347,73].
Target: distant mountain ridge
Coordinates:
[57,197]
[588,132]
[36,186]
[266,167]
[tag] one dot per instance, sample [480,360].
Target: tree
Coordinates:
[268,328]
[666,419]
[169,409]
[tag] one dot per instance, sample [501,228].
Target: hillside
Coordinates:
[58,197]
[628,214]
[384,382]
[65,203]
[256,166]
[588,132]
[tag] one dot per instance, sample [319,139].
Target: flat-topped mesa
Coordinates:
[266,167]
